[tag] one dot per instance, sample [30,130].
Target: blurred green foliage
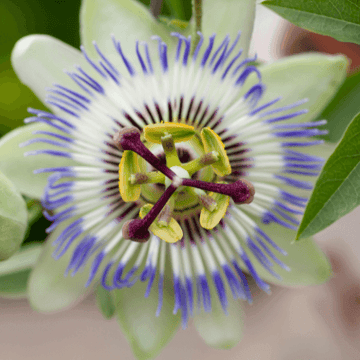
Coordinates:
[19,18]
[59,18]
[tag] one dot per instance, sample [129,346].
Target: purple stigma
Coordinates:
[241,191]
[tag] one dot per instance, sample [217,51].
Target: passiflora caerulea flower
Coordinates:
[180,169]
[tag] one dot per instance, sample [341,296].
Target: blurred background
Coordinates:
[321,322]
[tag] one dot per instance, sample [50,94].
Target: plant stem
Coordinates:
[155,7]
[197,13]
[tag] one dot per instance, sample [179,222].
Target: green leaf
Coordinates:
[342,108]
[146,333]
[315,77]
[19,169]
[218,330]
[339,19]
[337,190]
[13,218]
[105,302]
[14,285]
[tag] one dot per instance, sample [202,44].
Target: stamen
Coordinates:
[129,139]
[171,155]
[241,191]
[137,229]
[205,160]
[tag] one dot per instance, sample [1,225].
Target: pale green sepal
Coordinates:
[315,77]
[308,264]
[105,302]
[48,289]
[128,20]
[40,60]
[228,17]
[24,259]
[19,169]
[13,218]
[146,333]
[218,330]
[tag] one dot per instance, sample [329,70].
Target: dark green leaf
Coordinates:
[14,285]
[339,19]
[343,108]
[337,190]
[105,302]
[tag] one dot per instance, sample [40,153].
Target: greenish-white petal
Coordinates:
[19,169]
[225,17]
[40,60]
[127,20]
[219,330]
[48,289]
[315,77]
[308,264]
[13,218]
[146,333]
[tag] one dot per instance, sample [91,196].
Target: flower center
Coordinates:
[183,182]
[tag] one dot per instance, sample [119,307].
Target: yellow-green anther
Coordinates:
[154,177]
[170,233]
[171,155]
[128,165]
[212,142]
[205,160]
[179,132]
[210,218]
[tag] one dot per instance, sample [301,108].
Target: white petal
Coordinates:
[128,20]
[39,61]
